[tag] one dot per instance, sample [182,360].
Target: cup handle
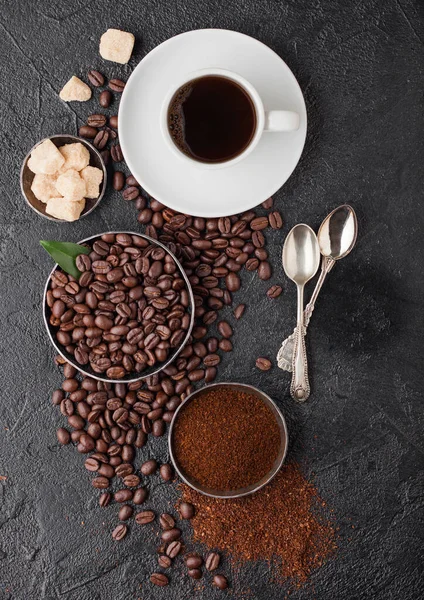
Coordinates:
[281,120]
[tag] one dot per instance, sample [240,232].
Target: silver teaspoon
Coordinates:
[336,238]
[300,262]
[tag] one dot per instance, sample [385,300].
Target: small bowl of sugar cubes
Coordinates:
[63,178]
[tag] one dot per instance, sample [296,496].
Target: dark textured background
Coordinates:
[360,66]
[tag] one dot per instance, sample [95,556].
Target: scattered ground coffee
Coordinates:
[226,439]
[282,523]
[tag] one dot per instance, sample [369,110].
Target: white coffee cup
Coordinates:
[266,121]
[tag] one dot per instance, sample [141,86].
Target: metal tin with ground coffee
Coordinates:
[226,438]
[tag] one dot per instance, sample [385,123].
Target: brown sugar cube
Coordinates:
[71,185]
[65,209]
[44,187]
[45,159]
[76,157]
[93,177]
[75,90]
[116,46]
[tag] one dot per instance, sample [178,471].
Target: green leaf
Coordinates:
[65,253]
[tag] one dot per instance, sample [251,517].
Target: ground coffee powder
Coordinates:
[226,439]
[284,523]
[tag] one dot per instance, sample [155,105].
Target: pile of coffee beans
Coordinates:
[129,309]
[109,422]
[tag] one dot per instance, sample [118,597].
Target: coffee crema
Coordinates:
[211,119]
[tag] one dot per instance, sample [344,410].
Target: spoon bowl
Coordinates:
[337,233]
[301,254]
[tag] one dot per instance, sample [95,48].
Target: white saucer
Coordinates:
[189,188]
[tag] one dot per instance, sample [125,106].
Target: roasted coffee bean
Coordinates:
[123,495]
[264,270]
[113,122]
[96,78]
[186,510]
[225,329]
[88,132]
[252,264]
[63,436]
[57,397]
[116,153]
[196,375]
[225,345]
[259,223]
[149,467]
[232,281]
[117,85]
[118,181]
[264,364]
[96,121]
[83,262]
[131,481]
[86,444]
[166,472]
[125,512]
[100,483]
[145,517]
[193,560]
[123,470]
[173,549]
[131,180]
[170,535]
[275,220]
[274,291]
[91,464]
[195,573]
[70,385]
[105,99]
[101,139]
[224,225]
[130,193]
[261,254]
[211,345]
[239,311]
[164,561]
[258,239]
[120,532]
[166,521]
[220,582]
[105,499]
[140,496]
[210,375]
[158,428]
[107,471]
[267,204]
[211,360]
[115,372]
[212,561]
[159,579]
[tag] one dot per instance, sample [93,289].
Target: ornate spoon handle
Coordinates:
[300,388]
[285,353]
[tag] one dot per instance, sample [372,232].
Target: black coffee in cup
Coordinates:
[211,119]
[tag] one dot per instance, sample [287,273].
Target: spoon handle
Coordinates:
[300,388]
[286,351]
[327,264]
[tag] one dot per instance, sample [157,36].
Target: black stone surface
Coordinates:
[360,66]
